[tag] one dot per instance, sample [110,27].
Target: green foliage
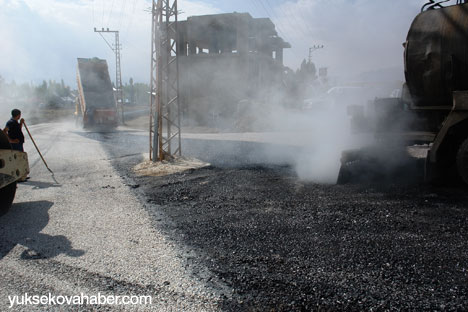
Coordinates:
[307,72]
[47,94]
[52,94]
[136,93]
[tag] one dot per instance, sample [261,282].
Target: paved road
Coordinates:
[91,229]
[85,230]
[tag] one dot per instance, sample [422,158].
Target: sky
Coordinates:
[41,39]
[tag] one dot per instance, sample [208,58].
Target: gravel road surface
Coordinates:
[242,235]
[86,231]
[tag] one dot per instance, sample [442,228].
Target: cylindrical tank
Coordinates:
[436,55]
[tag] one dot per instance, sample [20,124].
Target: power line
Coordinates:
[271,7]
[278,19]
[300,28]
[256,6]
[273,11]
[251,7]
[129,40]
[122,13]
[289,21]
[299,25]
[103,10]
[278,27]
[132,15]
[110,12]
[269,15]
[304,19]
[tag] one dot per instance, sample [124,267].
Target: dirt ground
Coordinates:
[287,245]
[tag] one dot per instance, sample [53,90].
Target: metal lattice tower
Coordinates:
[118,74]
[165,140]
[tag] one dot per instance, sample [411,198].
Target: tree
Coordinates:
[132,92]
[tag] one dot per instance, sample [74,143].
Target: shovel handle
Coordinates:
[37,148]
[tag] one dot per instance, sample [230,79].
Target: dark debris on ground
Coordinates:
[287,245]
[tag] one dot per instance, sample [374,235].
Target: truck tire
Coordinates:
[7,194]
[462,161]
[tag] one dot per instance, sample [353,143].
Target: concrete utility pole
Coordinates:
[118,75]
[312,49]
[165,129]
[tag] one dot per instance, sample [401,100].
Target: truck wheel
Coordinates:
[462,161]
[7,194]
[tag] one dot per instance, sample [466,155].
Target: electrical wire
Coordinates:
[297,24]
[257,7]
[130,20]
[103,10]
[251,7]
[276,16]
[278,27]
[110,12]
[304,17]
[122,11]
[270,16]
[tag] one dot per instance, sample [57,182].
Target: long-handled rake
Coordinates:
[37,148]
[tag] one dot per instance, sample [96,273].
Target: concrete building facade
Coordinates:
[226,58]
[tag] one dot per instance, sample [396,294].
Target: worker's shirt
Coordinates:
[14,130]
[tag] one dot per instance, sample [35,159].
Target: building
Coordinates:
[226,58]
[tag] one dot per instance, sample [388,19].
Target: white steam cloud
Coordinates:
[42,39]
[358,35]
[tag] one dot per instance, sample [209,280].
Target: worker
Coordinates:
[13,130]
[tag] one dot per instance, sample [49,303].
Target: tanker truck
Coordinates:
[433,107]
[13,167]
